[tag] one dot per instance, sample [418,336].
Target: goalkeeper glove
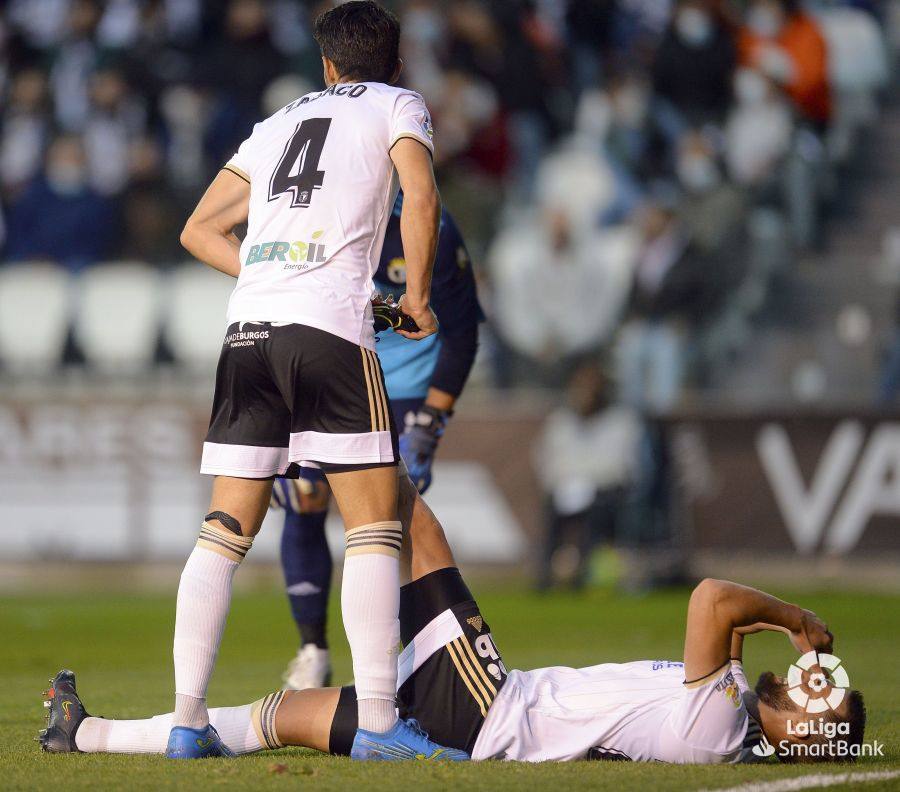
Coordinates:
[286,492]
[419,442]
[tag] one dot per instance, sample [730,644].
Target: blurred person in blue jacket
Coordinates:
[58,216]
[424,379]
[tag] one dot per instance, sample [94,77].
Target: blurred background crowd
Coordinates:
[661,196]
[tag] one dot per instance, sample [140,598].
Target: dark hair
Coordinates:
[820,747]
[855,717]
[361,39]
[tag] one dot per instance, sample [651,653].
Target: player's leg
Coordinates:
[324,719]
[236,510]
[425,546]
[370,589]
[307,566]
[245,447]
[341,419]
[330,723]
[303,719]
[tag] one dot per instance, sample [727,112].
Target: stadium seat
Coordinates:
[34,305]
[117,319]
[195,315]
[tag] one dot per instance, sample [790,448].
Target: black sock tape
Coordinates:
[227,520]
[344,723]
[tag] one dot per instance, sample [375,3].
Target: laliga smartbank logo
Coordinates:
[764,748]
[818,683]
[818,698]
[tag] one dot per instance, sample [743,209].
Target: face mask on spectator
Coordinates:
[764,21]
[694,27]
[697,173]
[66,178]
[750,87]
[629,106]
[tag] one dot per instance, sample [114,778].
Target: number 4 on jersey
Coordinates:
[301,154]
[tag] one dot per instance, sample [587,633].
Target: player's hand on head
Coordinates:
[424,317]
[813,634]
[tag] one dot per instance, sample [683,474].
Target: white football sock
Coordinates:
[370,603]
[204,598]
[150,736]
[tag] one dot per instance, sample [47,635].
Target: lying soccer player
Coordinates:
[452,680]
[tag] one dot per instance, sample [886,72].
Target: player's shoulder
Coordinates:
[393,92]
[395,99]
[370,98]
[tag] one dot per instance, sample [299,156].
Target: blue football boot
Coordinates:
[205,743]
[405,740]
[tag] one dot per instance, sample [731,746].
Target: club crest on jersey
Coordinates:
[294,255]
[396,270]
[427,128]
[729,687]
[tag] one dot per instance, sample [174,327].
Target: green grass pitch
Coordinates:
[119,644]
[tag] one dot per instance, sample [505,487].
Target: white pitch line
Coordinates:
[817,781]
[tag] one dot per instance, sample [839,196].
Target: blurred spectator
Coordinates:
[639,26]
[634,139]
[41,22]
[116,120]
[74,60]
[25,128]
[674,282]
[711,208]
[152,213]
[590,26]
[237,67]
[59,216]
[694,64]
[423,42]
[466,107]
[787,46]
[553,120]
[759,130]
[532,69]
[184,110]
[559,289]
[586,461]
[578,181]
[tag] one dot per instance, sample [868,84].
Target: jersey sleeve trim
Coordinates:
[428,144]
[706,678]
[236,171]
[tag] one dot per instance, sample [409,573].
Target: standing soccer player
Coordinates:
[424,380]
[298,381]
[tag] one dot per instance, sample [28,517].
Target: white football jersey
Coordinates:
[322,186]
[640,711]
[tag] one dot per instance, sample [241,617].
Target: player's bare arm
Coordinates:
[720,613]
[419,227]
[208,234]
